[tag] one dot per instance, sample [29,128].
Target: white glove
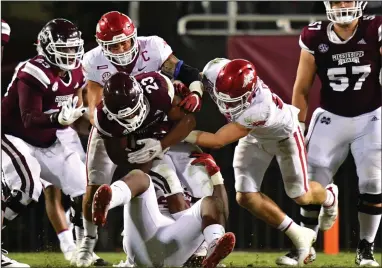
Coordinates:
[69,112]
[152,148]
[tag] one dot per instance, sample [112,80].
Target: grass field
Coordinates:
[236,259]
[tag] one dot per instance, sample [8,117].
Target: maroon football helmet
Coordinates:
[124,101]
[234,87]
[61,44]
[114,28]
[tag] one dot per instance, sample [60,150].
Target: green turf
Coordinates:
[236,259]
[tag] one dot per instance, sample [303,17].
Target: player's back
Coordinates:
[39,75]
[348,70]
[158,96]
[153,51]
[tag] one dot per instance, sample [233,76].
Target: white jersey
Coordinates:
[153,52]
[268,116]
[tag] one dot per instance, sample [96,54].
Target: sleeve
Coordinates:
[30,103]
[164,49]
[5,32]
[35,75]
[306,41]
[379,30]
[88,70]
[166,94]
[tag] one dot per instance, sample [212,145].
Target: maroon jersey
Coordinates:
[158,94]
[44,86]
[348,70]
[5,32]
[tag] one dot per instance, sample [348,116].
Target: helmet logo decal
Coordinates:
[248,79]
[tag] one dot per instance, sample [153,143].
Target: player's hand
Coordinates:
[181,89]
[69,112]
[206,160]
[152,148]
[192,103]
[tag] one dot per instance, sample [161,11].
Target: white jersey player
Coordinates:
[120,49]
[265,127]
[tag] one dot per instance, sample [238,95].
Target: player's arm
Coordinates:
[178,70]
[94,97]
[225,135]
[216,177]
[185,124]
[30,103]
[306,72]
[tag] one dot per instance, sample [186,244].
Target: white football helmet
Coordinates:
[345,15]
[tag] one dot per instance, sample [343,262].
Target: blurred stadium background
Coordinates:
[265,33]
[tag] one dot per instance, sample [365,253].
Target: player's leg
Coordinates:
[21,175]
[251,161]
[164,176]
[325,154]
[57,217]
[99,170]
[292,161]
[366,150]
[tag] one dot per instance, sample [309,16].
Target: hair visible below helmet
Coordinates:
[124,101]
[60,43]
[345,15]
[234,87]
[113,28]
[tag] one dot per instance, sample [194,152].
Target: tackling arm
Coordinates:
[94,97]
[225,135]
[306,72]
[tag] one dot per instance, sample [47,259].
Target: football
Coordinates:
[118,148]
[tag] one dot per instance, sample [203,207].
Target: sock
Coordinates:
[329,199]
[290,228]
[66,239]
[79,234]
[368,226]
[309,217]
[121,194]
[212,232]
[90,229]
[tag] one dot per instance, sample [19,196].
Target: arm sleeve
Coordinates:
[30,103]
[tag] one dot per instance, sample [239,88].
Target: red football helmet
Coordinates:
[234,87]
[116,28]
[124,101]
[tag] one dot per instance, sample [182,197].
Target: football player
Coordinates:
[158,240]
[345,52]
[43,96]
[120,49]
[265,127]
[5,260]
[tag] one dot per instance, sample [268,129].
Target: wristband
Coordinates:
[217,179]
[196,87]
[302,126]
[192,137]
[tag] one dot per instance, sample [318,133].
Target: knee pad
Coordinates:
[76,211]
[15,204]
[309,214]
[370,199]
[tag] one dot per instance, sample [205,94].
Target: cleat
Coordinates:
[303,244]
[365,254]
[100,206]
[8,262]
[219,249]
[328,215]
[291,258]
[85,252]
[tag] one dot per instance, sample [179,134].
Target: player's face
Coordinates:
[342,4]
[120,47]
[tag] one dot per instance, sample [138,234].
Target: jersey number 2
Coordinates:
[342,81]
[149,84]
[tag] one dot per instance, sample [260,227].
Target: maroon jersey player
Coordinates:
[41,98]
[345,53]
